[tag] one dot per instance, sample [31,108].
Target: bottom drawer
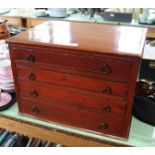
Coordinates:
[98,122]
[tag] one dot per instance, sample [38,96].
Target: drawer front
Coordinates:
[74,81]
[98,122]
[108,67]
[64,96]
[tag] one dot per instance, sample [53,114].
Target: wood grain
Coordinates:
[52,134]
[86,36]
[69,65]
[74,81]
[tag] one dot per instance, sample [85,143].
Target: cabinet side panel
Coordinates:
[131,94]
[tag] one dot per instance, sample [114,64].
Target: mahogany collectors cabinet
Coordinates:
[78,74]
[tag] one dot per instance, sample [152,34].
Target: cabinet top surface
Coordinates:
[109,39]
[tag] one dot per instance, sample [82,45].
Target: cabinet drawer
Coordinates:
[64,96]
[98,122]
[74,81]
[109,67]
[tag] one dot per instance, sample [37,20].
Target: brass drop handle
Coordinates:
[31,58]
[31,76]
[106,108]
[107,90]
[34,93]
[106,69]
[103,126]
[35,110]
[14,48]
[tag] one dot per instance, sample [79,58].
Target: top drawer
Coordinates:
[111,67]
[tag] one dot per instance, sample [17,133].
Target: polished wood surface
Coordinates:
[53,135]
[4,35]
[17,21]
[74,73]
[75,81]
[75,99]
[31,22]
[101,66]
[97,122]
[4,29]
[119,40]
[151,33]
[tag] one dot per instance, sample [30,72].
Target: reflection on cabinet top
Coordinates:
[108,39]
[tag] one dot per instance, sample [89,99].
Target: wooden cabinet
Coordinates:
[17,21]
[78,74]
[151,33]
[3,30]
[30,22]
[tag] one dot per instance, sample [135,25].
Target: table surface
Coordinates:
[76,17]
[140,133]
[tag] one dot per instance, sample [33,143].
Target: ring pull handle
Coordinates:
[107,90]
[103,126]
[31,58]
[106,108]
[34,93]
[35,110]
[31,76]
[106,69]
